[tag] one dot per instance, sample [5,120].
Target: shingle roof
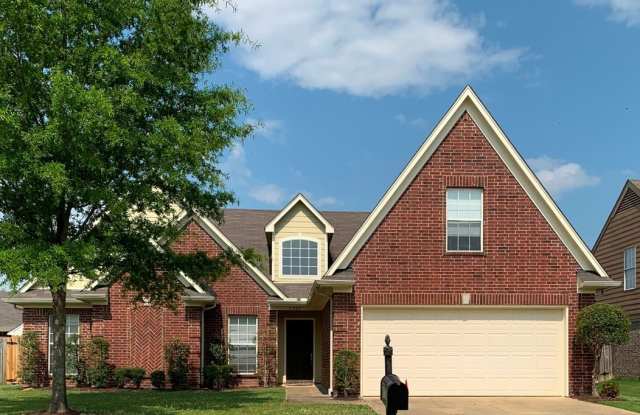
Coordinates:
[10,317]
[245,228]
[301,290]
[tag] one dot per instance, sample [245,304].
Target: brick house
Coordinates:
[465,261]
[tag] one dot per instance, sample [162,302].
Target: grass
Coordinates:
[13,400]
[629,395]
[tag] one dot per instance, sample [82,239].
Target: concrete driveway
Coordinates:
[501,406]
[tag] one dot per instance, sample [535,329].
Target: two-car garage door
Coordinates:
[471,351]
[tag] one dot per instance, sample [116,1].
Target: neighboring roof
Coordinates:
[631,185]
[469,102]
[245,228]
[10,317]
[299,198]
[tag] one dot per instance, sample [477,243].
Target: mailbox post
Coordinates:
[393,393]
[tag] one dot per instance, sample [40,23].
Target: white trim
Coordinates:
[222,240]
[330,346]
[299,198]
[624,268]
[229,340]
[446,222]
[565,316]
[314,351]
[303,277]
[16,331]
[468,101]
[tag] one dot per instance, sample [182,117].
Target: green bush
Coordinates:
[157,379]
[217,376]
[608,389]
[129,374]
[99,371]
[346,372]
[29,358]
[176,355]
[218,354]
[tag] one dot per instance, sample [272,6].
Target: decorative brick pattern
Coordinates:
[523,263]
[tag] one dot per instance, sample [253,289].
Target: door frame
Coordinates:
[563,308]
[313,351]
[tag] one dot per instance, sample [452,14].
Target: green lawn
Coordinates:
[629,395]
[13,400]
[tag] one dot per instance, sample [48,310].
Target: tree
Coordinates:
[599,325]
[106,126]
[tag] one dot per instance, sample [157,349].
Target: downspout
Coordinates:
[330,346]
[202,350]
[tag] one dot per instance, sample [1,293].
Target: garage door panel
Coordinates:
[473,351]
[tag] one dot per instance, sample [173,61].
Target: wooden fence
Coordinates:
[8,359]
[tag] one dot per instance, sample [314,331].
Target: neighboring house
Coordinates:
[10,330]
[465,261]
[10,316]
[616,249]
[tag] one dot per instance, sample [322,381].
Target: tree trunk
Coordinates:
[58,404]
[595,373]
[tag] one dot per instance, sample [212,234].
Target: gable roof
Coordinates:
[630,185]
[299,198]
[469,102]
[10,317]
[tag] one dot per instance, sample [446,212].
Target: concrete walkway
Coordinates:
[501,406]
[311,394]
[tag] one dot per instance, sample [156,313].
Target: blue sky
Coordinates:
[347,91]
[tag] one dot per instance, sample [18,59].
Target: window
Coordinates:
[464,220]
[243,339]
[299,257]
[630,268]
[72,336]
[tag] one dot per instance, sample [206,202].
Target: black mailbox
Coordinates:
[393,393]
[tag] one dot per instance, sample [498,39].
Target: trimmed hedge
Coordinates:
[129,374]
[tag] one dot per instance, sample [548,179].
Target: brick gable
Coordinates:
[404,261]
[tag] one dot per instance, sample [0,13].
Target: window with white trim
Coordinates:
[464,220]
[72,337]
[630,268]
[243,342]
[299,257]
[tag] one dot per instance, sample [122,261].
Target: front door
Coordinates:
[299,364]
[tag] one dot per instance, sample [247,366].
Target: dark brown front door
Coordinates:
[299,349]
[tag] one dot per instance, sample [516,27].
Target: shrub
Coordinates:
[157,379]
[129,374]
[346,368]
[267,372]
[599,325]
[218,354]
[29,358]
[99,372]
[176,355]
[608,389]
[217,376]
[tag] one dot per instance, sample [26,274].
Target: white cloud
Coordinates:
[559,176]
[270,194]
[270,129]
[626,11]
[417,122]
[326,201]
[235,165]
[364,47]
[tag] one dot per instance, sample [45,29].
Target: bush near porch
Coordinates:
[14,401]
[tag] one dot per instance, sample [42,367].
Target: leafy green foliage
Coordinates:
[346,372]
[218,353]
[29,358]
[176,355]
[99,371]
[608,389]
[217,376]
[157,379]
[135,375]
[601,324]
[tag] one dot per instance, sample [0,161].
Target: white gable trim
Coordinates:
[468,101]
[270,227]
[223,241]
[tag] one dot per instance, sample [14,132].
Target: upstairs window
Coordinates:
[464,220]
[630,268]
[299,258]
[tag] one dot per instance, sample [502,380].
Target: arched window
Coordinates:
[299,257]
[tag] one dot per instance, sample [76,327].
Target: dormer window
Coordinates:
[299,257]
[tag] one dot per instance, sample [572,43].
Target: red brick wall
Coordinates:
[404,261]
[237,294]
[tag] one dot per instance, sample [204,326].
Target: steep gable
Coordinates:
[468,103]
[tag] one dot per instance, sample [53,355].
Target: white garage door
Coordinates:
[467,351]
